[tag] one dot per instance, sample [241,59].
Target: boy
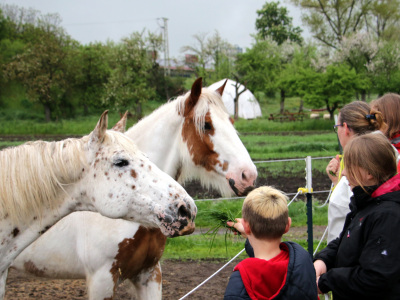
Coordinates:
[274,270]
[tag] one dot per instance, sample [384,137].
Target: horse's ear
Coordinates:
[99,132]
[220,90]
[194,96]
[121,125]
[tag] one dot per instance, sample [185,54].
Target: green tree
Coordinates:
[258,66]
[128,86]
[359,51]
[41,68]
[290,78]
[91,74]
[330,20]
[384,19]
[273,21]
[330,89]
[386,68]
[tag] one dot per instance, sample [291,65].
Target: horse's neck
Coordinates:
[159,136]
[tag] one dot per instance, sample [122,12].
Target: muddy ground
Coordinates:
[179,277]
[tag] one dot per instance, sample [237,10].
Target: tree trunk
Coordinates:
[139,111]
[364,96]
[236,107]
[85,109]
[301,105]
[47,112]
[282,101]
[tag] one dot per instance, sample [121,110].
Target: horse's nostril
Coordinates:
[183,212]
[244,176]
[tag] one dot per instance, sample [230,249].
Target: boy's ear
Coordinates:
[246,227]
[289,223]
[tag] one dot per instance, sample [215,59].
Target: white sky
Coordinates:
[101,20]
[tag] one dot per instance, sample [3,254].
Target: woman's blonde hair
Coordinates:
[389,106]
[372,152]
[360,118]
[266,211]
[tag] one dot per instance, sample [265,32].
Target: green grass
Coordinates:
[297,211]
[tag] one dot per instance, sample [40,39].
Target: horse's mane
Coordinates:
[208,98]
[33,175]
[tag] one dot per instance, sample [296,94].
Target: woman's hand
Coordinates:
[320,267]
[238,226]
[332,169]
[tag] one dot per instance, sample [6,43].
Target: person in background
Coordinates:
[355,118]
[389,106]
[274,270]
[364,262]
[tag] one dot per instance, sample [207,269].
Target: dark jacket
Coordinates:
[300,279]
[364,261]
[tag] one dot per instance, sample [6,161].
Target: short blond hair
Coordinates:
[266,211]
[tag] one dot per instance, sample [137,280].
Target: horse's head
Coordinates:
[213,145]
[122,183]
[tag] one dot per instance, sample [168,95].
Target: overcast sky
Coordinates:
[101,20]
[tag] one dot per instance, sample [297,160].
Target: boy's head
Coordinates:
[265,210]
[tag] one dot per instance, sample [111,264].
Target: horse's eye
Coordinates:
[207,126]
[121,163]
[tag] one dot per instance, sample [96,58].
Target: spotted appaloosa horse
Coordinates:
[190,137]
[41,182]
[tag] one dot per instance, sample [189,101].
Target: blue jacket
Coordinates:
[300,280]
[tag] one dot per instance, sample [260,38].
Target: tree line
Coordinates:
[353,51]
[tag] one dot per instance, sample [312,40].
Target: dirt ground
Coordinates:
[179,277]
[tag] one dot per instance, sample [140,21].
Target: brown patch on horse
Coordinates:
[200,145]
[31,268]
[137,254]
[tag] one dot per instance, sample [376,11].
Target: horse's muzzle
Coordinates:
[237,192]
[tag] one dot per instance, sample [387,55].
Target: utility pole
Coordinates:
[167,69]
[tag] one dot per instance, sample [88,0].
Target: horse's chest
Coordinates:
[138,254]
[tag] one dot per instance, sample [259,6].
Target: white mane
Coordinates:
[33,175]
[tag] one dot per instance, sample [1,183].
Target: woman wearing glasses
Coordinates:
[355,118]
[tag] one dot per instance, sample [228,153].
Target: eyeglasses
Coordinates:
[335,127]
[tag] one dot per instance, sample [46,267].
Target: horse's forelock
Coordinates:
[207,100]
[122,139]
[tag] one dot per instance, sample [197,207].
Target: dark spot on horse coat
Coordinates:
[137,254]
[44,230]
[133,173]
[31,268]
[15,232]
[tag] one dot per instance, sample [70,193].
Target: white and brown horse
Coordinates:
[41,182]
[190,137]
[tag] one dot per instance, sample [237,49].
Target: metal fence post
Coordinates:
[309,205]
